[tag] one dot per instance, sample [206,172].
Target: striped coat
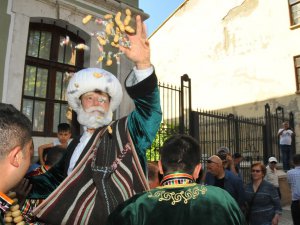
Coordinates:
[109,174]
[109,170]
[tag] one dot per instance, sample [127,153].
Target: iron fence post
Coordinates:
[185,104]
[268,134]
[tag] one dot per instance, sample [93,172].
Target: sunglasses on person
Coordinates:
[210,161]
[256,171]
[273,162]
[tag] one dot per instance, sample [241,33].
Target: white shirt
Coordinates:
[285,137]
[137,76]
[86,136]
[272,176]
[57,142]
[293,177]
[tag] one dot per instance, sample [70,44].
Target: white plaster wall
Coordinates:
[234,54]
[17,60]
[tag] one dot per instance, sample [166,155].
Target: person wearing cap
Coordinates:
[272,174]
[227,159]
[107,164]
[218,176]
[179,199]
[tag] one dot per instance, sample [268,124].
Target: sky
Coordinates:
[159,11]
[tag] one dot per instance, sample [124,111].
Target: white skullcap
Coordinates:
[272,159]
[94,79]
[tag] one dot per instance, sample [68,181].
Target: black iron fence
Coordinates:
[176,108]
[254,138]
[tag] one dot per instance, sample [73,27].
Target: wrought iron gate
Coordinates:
[255,138]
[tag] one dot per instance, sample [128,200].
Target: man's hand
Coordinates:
[139,51]
[275,219]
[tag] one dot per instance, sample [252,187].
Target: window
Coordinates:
[297,71]
[45,78]
[294,7]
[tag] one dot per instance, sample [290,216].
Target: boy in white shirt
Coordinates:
[63,139]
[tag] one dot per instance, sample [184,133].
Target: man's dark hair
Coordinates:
[54,155]
[296,159]
[15,128]
[180,153]
[63,127]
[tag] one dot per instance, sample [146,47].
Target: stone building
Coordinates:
[33,64]
[239,54]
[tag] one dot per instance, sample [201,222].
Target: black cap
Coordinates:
[237,155]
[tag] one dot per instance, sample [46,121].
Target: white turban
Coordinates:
[94,79]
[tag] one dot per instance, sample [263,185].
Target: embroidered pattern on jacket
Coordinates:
[177,197]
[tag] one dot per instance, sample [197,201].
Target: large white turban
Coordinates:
[94,79]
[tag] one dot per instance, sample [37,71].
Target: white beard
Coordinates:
[94,117]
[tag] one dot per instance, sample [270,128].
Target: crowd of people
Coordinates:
[102,177]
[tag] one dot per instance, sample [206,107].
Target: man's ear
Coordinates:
[14,156]
[160,167]
[197,171]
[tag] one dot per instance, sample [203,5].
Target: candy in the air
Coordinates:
[65,41]
[86,19]
[101,40]
[82,46]
[109,60]
[129,29]
[108,16]
[128,12]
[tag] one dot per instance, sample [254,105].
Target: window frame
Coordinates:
[53,66]
[296,73]
[293,25]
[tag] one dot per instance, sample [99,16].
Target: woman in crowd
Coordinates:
[262,198]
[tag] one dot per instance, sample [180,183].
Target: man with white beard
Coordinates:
[107,165]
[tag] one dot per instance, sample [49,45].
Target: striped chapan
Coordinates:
[108,174]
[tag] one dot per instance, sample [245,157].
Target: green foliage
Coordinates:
[164,132]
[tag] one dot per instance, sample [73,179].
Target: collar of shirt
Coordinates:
[5,202]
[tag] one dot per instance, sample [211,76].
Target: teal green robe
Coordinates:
[185,204]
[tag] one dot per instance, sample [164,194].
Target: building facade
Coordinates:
[35,63]
[239,54]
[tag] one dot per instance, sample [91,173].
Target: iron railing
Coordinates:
[254,138]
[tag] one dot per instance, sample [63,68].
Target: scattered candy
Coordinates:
[86,19]
[129,29]
[108,16]
[82,46]
[114,30]
[97,75]
[109,60]
[65,41]
[109,129]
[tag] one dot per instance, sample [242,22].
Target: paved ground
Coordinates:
[286,218]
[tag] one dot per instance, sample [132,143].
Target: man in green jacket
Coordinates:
[179,199]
